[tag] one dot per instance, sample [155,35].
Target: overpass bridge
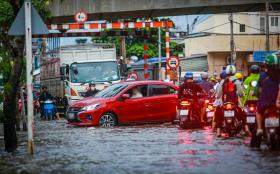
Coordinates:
[64,10]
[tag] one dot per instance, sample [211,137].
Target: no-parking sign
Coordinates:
[81,17]
[173,62]
[133,75]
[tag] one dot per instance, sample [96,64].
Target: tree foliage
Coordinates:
[135,44]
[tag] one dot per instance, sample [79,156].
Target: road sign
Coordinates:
[173,62]
[81,17]
[18,26]
[133,75]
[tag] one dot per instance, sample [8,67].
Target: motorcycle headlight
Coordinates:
[91,107]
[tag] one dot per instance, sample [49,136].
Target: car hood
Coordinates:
[89,101]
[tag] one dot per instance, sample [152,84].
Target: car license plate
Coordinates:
[272,122]
[71,116]
[251,119]
[210,114]
[229,113]
[184,112]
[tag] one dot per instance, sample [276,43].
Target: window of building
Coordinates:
[242,27]
[262,24]
[274,21]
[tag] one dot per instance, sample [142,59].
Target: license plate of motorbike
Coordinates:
[251,119]
[71,115]
[229,113]
[210,114]
[184,112]
[272,122]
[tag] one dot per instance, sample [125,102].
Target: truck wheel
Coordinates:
[108,120]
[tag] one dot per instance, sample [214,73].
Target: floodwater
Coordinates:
[61,148]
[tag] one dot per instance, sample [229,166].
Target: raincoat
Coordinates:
[250,92]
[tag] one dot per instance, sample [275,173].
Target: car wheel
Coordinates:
[108,120]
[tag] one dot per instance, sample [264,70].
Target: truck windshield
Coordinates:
[94,72]
[111,91]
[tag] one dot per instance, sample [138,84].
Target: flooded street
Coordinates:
[62,148]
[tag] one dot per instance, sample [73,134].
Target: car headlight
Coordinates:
[91,107]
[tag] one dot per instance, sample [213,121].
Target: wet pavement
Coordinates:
[62,148]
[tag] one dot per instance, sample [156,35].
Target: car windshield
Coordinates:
[94,72]
[111,91]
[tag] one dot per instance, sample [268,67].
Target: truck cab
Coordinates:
[75,66]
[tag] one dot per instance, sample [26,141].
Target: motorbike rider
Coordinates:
[206,85]
[221,93]
[191,90]
[45,95]
[91,90]
[250,90]
[269,89]
[218,101]
[239,76]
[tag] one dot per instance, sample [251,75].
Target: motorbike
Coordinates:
[271,135]
[272,129]
[188,115]
[210,112]
[231,125]
[49,110]
[250,109]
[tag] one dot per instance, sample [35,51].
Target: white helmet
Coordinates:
[231,70]
[204,75]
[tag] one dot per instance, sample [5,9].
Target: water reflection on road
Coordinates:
[61,148]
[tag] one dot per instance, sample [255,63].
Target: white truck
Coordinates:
[80,65]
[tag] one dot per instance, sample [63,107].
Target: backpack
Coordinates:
[229,91]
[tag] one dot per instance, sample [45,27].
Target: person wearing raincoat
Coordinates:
[251,85]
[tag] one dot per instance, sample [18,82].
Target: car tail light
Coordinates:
[185,103]
[210,107]
[73,93]
[228,106]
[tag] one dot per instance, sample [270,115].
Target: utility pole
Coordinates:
[232,51]
[23,111]
[159,52]
[267,26]
[28,49]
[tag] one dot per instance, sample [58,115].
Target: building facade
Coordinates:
[213,39]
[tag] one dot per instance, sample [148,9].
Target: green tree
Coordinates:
[12,63]
[135,44]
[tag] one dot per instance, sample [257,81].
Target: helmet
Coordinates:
[188,75]
[212,78]
[223,74]
[271,59]
[255,69]
[204,75]
[238,75]
[230,70]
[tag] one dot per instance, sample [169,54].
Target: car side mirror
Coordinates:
[125,96]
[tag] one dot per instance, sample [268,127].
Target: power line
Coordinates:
[212,27]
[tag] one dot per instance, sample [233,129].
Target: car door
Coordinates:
[163,101]
[133,110]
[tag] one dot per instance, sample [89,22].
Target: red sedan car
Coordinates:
[126,102]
